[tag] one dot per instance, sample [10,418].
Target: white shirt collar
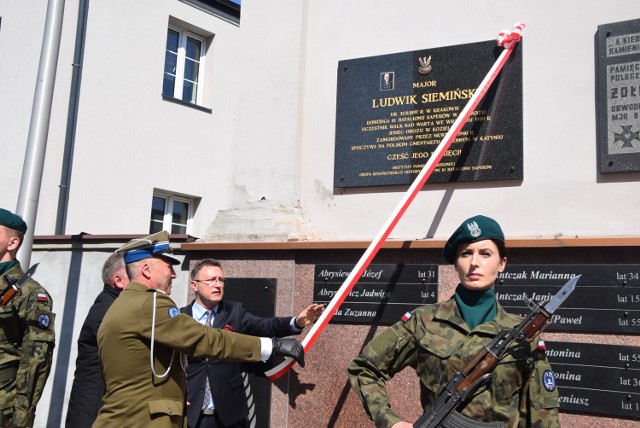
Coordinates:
[200,312]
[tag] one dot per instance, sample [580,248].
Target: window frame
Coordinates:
[167,218]
[181,59]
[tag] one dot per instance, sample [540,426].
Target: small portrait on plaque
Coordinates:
[386,81]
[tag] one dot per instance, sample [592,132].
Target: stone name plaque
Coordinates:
[597,379]
[606,298]
[618,96]
[393,110]
[383,294]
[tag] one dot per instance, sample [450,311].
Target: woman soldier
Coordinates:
[438,340]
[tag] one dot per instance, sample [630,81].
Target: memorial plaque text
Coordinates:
[606,298]
[383,294]
[597,379]
[618,102]
[393,110]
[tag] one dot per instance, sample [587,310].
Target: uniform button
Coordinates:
[249,354]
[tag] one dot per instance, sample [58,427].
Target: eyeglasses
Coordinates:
[211,281]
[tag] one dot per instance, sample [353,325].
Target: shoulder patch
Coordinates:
[173,312]
[42,297]
[549,380]
[44,321]
[406,317]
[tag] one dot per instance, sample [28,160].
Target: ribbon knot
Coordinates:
[508,39]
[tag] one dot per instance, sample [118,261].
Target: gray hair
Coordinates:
[112,265]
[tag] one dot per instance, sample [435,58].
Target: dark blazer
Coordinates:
[225,377]
[88,385]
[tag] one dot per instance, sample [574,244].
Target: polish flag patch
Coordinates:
[406,317]
[541,345]
[42,297]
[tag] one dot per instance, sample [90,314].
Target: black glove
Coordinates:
[289,348]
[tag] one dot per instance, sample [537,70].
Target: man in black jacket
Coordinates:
[88,385]
[215,390]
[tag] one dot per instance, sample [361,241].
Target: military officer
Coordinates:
[436,339]
[143,333]
[26,332]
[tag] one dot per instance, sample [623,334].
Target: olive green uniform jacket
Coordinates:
[437,343]
[135,397]
[27,338]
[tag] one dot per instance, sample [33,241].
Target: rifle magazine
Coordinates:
[458,420]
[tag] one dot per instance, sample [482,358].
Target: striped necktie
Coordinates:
[207,390]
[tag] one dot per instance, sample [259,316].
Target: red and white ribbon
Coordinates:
[411,193]
[508,39]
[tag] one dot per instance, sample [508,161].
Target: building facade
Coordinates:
[180,115]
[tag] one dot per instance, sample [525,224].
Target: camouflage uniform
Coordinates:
[437,343]
[26,345]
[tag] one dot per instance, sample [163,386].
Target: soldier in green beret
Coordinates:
[438,340]
[26,335]
[141,338]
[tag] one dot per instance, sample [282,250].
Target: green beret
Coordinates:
[12,221]
[156,245]
[474,229]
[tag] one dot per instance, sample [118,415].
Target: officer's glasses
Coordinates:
[211,281]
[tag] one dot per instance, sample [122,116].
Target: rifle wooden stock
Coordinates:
[14,285]
[9,293]
[483,363]
[539,322]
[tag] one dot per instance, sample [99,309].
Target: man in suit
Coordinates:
[142,334]
[215,388]
[88,386]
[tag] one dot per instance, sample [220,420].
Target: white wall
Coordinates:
[131,140]
[265,155]
[18,73]
[128,140]
[562,191]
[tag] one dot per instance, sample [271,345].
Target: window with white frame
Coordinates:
[183,66]
[171,213]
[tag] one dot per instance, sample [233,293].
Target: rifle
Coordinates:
[14,287]
[479,370]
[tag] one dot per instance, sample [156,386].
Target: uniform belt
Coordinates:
[8,374]
[208,412]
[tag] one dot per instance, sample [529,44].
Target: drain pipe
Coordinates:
[31,179]
[72,117]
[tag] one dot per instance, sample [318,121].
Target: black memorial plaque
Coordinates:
[618,96]
[393,110]
[606,298]
[383,294]
[258,296]
[597,379]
